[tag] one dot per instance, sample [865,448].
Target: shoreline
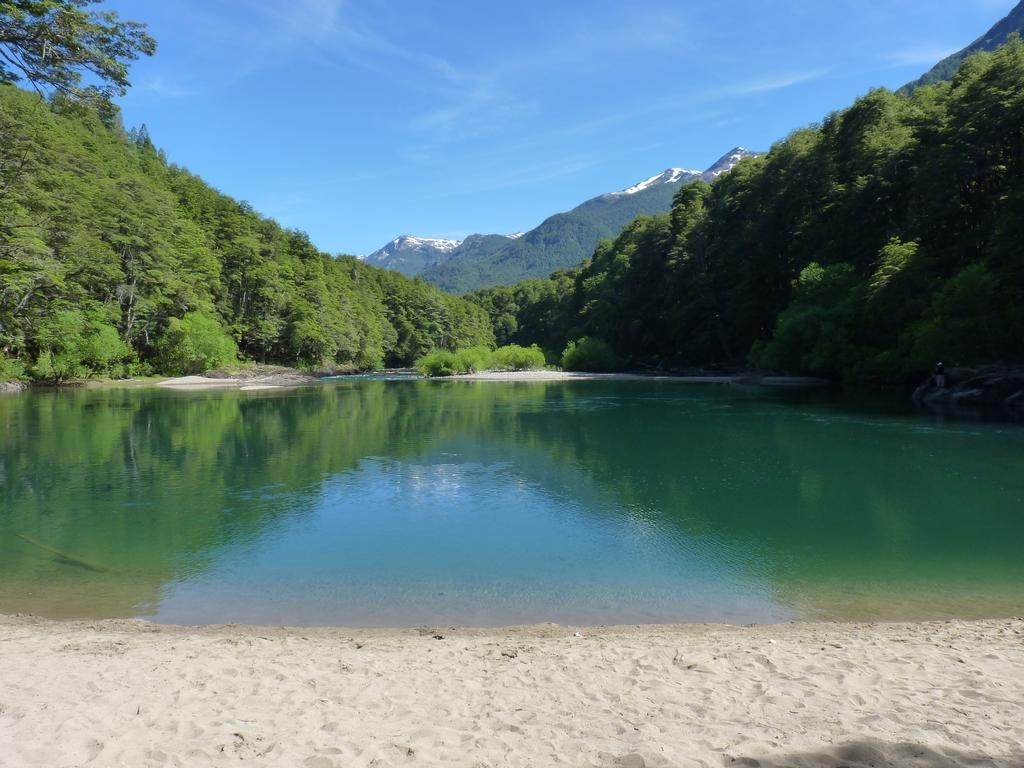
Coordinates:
[549,375]
[295,379]
[283,378]
[128,692]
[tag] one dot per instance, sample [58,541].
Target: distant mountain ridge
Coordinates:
[410,255]
[995,37]
[560,241]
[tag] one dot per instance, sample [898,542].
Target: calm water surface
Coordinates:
[414,502]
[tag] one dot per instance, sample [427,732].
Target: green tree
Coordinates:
[194,343]
[74,345]
[590,354]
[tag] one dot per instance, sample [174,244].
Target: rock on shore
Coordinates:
[993,390]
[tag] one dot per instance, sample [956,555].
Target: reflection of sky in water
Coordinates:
[411,543]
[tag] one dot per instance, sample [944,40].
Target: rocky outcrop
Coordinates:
[7,387]
[990,391]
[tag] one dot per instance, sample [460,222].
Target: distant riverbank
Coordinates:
[133,693]
[290,377]
[276,377]
[552,375]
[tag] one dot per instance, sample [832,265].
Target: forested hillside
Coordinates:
[113,261]
[871,246]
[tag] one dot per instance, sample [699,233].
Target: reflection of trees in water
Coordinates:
[149,484]
[153,484]
[801,487]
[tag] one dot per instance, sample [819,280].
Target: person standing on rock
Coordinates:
[940,376]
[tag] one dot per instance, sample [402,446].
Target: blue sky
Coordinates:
[361,120]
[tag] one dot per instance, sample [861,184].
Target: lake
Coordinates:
[405,503]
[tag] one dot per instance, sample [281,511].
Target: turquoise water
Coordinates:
[390,503]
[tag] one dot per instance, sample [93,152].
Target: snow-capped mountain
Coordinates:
[726,163]
[668,176]
[410,255]
[562,240]
[682,175]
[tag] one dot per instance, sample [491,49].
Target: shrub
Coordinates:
[439,362]
[76,346]
[474,359]
[590,354]
[57,368]
[516,358]
[11,369]
[195,343]
[104,351]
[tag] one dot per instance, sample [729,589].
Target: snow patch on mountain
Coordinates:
[727,162]
[409,254]
[668,176]
[407,242]
[412,255]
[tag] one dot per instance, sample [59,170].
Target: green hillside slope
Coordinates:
[113,261]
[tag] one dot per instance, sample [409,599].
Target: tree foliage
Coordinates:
[62,47]
[590,354]
[195,343]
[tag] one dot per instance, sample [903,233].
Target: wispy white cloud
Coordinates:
[236,39]
[339,34]
[475,111]
[488,179]
[287,23]
[501,90]
[773,83]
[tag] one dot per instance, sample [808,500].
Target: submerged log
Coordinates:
[64,557]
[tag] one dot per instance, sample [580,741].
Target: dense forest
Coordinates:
[868,247]
[113,262]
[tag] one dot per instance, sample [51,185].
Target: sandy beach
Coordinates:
[296,378]
[130,693]
[245,382]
